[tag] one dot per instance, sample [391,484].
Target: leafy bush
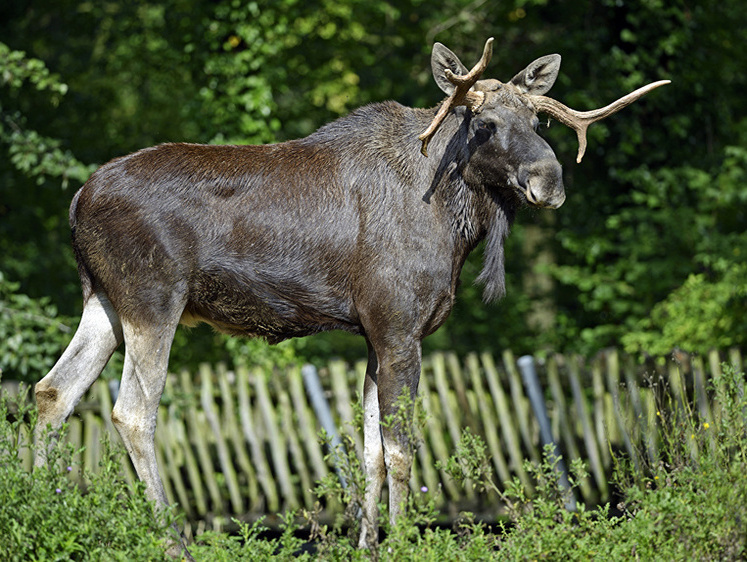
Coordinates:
[706,312]
[626,287]
[35,155]
[45,515]
[684,506]
[709,309]
[32,334]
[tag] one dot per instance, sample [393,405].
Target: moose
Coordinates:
[362,226]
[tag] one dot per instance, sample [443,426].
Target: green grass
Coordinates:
[686,506]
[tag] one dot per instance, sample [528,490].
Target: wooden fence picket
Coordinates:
[598,410]
[303,478]
[166,464]
[184,455]
[619,406]
[435,438]
[306,425]
[458,381]
[444,410]
[343,399]
[251,435]
[198,438]
[277,442]
[219,438]
[230,423]
[521,409]
[486,409]
[508,428]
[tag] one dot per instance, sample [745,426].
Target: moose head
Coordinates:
[503,115]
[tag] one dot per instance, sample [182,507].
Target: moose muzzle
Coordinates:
[542,183]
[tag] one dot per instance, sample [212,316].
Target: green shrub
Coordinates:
[685,506]
[705,312]
[688,506]
[46,515]
[32,335]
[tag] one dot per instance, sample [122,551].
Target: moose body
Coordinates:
[351,228]
[282,240]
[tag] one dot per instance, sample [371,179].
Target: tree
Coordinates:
[647,198]
[641,239]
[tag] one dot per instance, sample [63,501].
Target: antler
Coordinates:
[580,120]
[461,94]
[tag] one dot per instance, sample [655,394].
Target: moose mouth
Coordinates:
[528,193]
[551,203]
[531,197]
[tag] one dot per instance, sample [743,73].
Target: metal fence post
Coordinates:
[534,390]
[323,412]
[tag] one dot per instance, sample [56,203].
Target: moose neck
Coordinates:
[477,212]
[464,207]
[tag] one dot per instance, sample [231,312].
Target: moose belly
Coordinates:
[275,311]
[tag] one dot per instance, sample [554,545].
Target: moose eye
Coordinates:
[486,126]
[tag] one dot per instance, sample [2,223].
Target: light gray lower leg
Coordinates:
[135,412]
[373,462]
[97,336]
[398,457]
[398,377]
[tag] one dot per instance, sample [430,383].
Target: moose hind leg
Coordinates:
[134,414]
[98,335]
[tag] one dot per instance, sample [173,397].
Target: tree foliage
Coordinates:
[32,335]
[647,252]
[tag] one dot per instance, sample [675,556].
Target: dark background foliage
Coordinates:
[647,252]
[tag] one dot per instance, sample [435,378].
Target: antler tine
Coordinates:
[466,81]
[461,94]
[580,120]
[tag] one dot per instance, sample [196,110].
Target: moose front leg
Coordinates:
[373,455]
[396,419]
[389,394]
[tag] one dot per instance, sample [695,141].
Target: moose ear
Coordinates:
[538,77]
[441,59]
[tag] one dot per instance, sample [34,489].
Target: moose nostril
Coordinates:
[524,178]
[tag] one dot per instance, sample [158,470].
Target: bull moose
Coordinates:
[362,226]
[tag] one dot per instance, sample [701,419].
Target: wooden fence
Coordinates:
[241,443]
